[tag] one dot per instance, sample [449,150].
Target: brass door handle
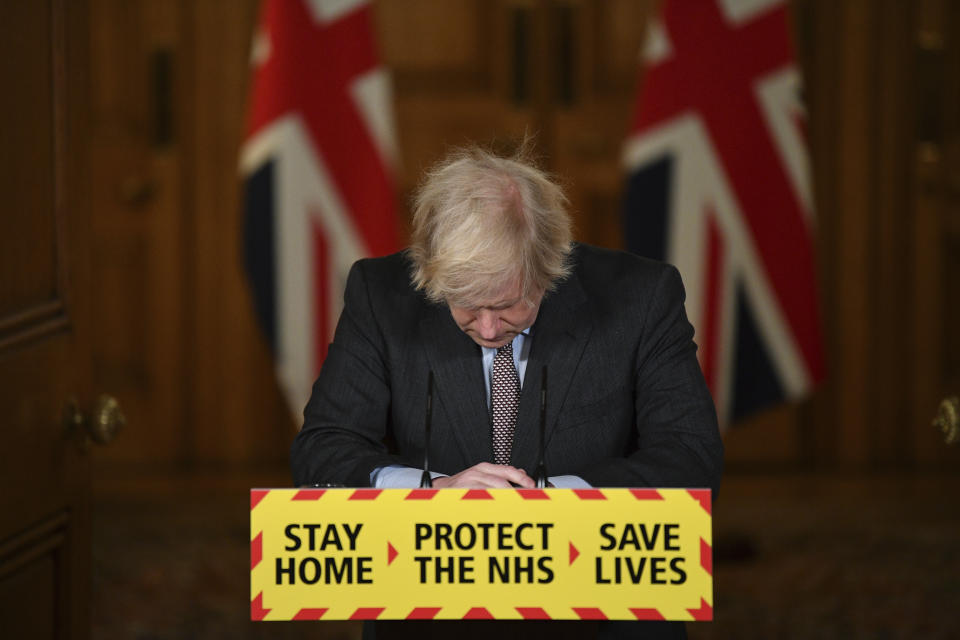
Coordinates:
[102,426]
[948,419]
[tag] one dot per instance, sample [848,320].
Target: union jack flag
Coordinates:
[317,164]
[718,184]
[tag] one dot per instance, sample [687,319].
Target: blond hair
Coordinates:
[483,223]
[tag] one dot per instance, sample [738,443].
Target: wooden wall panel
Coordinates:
[137,224]
[853,356]
[935,169]
[32,583]
[28,263]
[450,94]
[236,414]
[588,128]
[880,194]
[613,53]
[176,341]
[890,316]
[820,41]
[427,42]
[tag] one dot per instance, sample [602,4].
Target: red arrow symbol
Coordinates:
[391,553]
[573,553]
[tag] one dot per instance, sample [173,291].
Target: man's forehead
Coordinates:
[508,296]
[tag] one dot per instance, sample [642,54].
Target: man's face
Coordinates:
[496,322]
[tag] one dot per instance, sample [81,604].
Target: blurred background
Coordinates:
[122,273]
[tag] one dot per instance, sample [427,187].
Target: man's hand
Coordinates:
[486,476]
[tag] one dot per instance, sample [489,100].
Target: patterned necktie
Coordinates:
[504,400]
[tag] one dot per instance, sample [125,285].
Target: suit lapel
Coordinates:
[560,335]
[458,380]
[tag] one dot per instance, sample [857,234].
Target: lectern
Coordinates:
[445,554]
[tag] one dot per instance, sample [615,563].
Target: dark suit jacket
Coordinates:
[626,402]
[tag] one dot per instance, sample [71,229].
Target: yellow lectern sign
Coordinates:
[576,554]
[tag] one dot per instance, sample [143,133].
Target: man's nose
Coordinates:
[488,324]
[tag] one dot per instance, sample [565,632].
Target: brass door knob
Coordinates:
[948,419]
[102,426]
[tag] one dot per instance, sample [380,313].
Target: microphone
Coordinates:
[540,476]
[425,481]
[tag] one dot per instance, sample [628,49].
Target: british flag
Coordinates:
[317,164]
[719,185]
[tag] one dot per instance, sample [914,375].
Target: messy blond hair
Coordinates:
[484,222]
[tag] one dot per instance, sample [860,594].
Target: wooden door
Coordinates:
[176,339]
[138,256]
[935,171]
[44,357]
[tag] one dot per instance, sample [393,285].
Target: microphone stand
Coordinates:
[541,473]
[426,482]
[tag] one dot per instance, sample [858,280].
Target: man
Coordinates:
[490,293]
